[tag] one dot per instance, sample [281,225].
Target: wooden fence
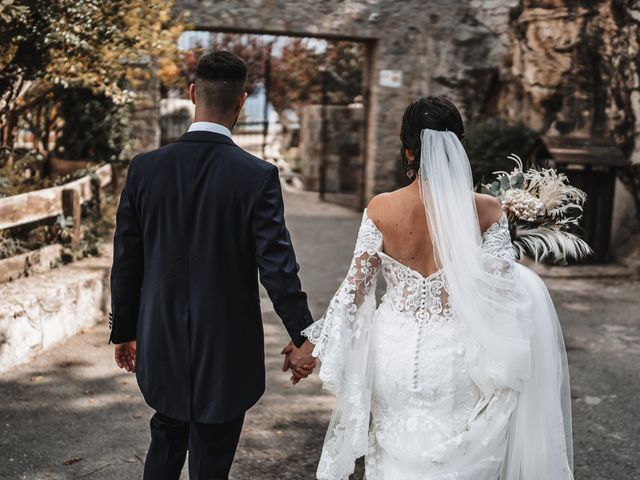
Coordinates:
[42,204]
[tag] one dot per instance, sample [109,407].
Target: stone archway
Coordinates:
[414,48]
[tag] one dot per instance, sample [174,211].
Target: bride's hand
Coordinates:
[299,373]
[299,360]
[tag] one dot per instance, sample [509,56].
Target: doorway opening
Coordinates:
[307,110]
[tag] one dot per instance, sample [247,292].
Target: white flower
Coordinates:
[523,205]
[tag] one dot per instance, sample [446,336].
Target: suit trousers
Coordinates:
[211,448]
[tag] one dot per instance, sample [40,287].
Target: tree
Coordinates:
[296,79]
[105,46]
[295,71]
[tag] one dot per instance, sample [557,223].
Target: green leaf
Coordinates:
[504,182]
[517,180]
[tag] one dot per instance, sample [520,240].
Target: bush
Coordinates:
[490,141]
[95,128]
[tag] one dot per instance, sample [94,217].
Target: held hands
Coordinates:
[299,360]
[126,356]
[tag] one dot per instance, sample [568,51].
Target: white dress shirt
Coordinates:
[210,127]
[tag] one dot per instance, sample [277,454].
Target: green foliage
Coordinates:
[95,127]
[20,171]
[489,143]
[110,47]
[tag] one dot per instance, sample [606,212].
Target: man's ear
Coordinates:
[243,99]
[192,93]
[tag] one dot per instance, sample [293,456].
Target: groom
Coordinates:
[197,220]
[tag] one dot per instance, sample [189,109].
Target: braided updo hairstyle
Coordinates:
[435,113]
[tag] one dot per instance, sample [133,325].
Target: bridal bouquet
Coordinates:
[541,207]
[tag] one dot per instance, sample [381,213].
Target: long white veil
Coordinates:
[513,333]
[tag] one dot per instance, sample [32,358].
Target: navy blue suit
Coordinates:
[197,220]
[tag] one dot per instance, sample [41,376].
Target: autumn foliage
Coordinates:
[107,47]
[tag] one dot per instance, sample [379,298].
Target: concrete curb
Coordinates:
[38,311]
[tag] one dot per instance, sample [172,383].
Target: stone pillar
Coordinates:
[344,151]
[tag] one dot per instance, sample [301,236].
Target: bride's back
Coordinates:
[401,218]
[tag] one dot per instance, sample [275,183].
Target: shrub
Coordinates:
[488,142]
[95,128]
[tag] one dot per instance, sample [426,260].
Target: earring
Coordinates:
[410,173]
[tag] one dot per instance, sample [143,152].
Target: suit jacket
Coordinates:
[197,220]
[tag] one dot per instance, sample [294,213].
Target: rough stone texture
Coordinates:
[38,311]
[575,70]
[343,144]
[561,66]
[442,47]
[26,264]
[145,124]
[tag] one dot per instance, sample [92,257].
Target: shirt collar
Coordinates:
[210,127]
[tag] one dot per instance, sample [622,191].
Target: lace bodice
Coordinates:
[425,298]
[408,292]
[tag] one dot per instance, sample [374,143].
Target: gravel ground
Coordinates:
[71,414]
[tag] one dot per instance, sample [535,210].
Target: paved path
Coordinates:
[70,414]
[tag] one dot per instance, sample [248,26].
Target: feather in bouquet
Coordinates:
[541,207]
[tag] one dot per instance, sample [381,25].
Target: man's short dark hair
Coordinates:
[220,79]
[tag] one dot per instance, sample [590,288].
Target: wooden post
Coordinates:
[71,208]
[96,197]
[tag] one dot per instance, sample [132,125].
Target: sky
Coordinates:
[191,39]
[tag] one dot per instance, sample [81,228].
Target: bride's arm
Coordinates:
[358,287]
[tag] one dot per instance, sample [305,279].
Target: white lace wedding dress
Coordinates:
[401,371]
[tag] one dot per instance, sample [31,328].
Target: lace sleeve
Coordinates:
[352,294]
[342,339]
[497,240]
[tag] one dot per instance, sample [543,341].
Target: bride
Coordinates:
[460,372]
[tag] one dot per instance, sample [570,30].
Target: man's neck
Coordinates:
[225,122]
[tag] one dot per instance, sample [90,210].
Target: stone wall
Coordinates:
[441,47]
[343,147]
[567,67]
[38,311]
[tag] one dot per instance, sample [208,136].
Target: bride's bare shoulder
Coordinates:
[383,207]
[489,210]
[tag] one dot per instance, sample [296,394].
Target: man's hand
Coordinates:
[299,360]
[126,356]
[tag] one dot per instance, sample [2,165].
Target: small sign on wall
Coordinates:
[391,78]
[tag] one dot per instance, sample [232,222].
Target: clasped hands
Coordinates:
[299,360]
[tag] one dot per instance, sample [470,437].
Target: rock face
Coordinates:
[573,69]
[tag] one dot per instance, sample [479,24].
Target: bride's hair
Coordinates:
[435,113]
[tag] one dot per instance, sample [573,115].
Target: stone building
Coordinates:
[342,147]
[563,67]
